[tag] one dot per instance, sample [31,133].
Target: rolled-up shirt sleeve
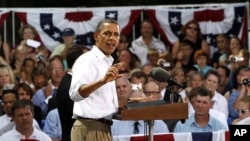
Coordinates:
[80,75]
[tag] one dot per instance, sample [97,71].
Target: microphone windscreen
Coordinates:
[160,74]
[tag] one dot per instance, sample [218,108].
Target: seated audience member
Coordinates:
[152,90]
[26,69]
[191,31]
[68,36]
[24,91]
[141,45]
[22,114]
[244,111]
[201,60]
[184,57]
[63,102]
[39,77]
[131,60]
[139,77]
[201,120]
[147,69]
[211,82]
[214,113]
[233,94]
[9,96]
[224,73]
[123,89]
[56,72]
[6,77]
[123,44]
[222,43]
[131,127]
[178,75]
[153,56]
[52,125]
[195,80]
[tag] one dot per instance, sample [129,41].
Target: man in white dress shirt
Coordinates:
[93,87]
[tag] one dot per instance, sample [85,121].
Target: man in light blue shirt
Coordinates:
[201,121]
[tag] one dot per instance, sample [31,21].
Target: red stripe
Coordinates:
[78,16]
[133,18]
[22,16]
[244,29]
[210,15]
[151,14]
[3,18]
[165,137]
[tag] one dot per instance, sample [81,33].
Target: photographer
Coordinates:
[245,89]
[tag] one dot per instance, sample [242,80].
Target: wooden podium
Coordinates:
[159,112]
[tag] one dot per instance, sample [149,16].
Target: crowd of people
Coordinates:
[74,92]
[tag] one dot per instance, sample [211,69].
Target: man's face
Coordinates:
[202,105]
[123,88]
[23,117]
[8,100]
[107,38]
[147,29]
[223,77]
[186,51]
[56,71]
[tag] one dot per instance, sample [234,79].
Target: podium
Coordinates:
[159,112]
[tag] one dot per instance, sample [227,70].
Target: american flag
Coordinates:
[3,16]
[50,24]
[230,19]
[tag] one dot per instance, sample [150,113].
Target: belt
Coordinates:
[102,120]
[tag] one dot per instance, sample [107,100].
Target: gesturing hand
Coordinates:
[113,72]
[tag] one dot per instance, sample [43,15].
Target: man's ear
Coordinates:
[95,36]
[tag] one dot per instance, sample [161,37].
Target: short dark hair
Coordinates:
[187,42]
[25,87]
[212,72]
[9,91]
[139,74]
[73,53]
[227,70]
[21,104]
[201,91]
[108,20]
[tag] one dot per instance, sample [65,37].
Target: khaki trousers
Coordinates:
[90,130]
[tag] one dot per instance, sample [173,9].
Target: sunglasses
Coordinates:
[192,28]
[242,111]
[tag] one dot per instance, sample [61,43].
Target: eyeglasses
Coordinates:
[152,93]
[241,111]
[123,41]
[192,28]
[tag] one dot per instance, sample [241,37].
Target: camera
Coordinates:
[40,57]
[165,64]
[237,59]
[246,81]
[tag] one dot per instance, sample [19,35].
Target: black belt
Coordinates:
[102,120]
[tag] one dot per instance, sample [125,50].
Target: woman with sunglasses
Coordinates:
[244,111]
[191,31]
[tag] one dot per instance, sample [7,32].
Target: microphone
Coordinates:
[162,75]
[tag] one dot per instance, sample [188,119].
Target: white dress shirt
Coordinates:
[14,135]
[88,68]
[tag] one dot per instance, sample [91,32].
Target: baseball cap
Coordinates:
[68,32]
